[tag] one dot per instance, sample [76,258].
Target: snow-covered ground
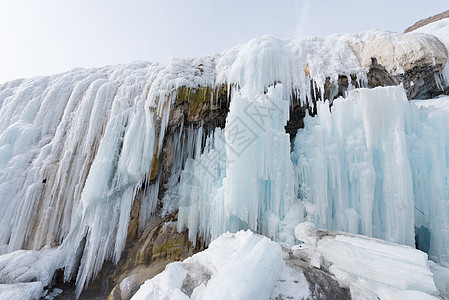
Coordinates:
[249,266]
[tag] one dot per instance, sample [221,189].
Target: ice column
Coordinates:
[251,183]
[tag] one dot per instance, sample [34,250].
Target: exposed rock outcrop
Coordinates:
[146,257]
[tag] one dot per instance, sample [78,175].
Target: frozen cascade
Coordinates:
[244,178]
[76,149]
[376,165]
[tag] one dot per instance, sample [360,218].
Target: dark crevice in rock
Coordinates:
[298,109]
[323,286]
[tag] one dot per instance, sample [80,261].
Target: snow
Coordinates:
[248,266]
[21,291]
[291,284]
[235,266]
[397,52]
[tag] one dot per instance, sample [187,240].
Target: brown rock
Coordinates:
[157,246]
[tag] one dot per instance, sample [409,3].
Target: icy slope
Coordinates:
[247,266]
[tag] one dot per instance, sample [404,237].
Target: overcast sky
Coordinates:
[42,37]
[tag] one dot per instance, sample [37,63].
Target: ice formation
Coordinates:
[377,165]
[249,159]
[77,148]
[21,291]
[371,268]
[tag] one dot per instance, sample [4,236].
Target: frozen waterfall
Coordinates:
[376,165]
[77,150]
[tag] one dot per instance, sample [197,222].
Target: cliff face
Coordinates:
[103,151]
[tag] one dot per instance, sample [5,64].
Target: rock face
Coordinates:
[146,257]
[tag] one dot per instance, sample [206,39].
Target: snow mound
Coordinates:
[235,266]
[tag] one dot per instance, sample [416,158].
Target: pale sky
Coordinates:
[43,37]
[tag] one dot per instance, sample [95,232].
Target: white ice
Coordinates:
[235,266]
[440,30]
[369,267]
[21,291]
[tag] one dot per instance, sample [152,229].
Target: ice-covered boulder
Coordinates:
[235,266]
[369,267]
[399,52]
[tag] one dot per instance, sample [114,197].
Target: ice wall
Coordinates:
[376,164]
[75,149]
[358,172]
